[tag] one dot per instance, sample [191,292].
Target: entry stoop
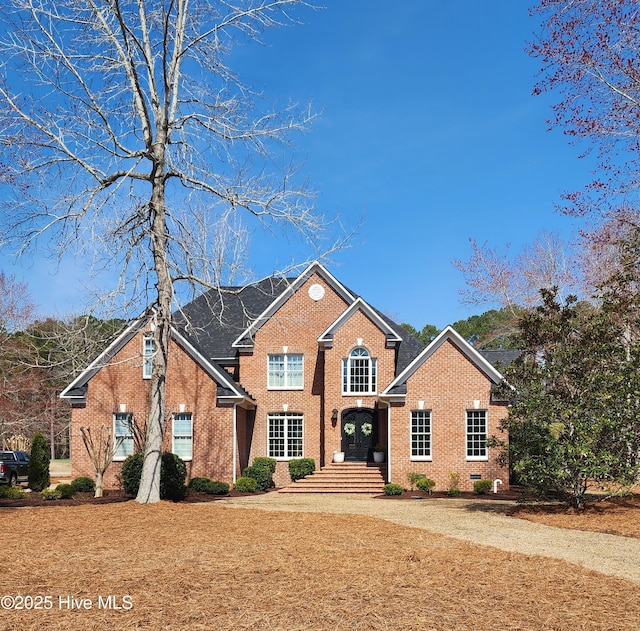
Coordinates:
[343,477]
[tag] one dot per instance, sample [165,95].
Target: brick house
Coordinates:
[292,368]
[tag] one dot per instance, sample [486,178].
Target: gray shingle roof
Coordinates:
[215,319]
[500,358]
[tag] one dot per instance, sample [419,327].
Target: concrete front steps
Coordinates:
[344,477]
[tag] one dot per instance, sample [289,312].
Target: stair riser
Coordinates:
[341,478]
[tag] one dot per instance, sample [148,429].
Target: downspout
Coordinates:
[387,403]
[235,441]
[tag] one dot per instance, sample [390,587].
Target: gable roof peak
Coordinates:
[448,334]
[359,304]
[245,339]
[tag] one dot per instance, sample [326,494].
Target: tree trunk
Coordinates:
[149,490]
[98,491]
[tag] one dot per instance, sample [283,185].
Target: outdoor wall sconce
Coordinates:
[334,417]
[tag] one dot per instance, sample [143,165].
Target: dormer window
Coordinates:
[148,351]
[359,372]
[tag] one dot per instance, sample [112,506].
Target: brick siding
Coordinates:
[447,383]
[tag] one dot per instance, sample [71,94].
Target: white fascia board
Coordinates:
[392,397]
[359,304]
[314,267]
[449,333]
[99,362]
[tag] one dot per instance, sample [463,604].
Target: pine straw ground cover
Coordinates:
[207,566]
[617,516]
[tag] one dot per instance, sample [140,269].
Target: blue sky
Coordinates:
[428,133]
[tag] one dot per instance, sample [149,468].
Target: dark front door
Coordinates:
[358,431]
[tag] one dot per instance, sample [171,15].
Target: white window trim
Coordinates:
[413,458]
[286,372]
[147,360]
[286,416]
[173,435]
[373,367]
[116,457]
[469,458]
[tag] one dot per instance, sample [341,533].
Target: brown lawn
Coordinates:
[207,566]
[619,516]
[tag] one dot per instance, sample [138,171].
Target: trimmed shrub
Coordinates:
[83,484]
[392,489]
[200,485]
[11,492]
[131,473]
[66,491]
[218,488]
[264,461]
[207,485]
[39,463]
[426,485]
[482,486]
[51,494]
[413,477]
[173,473]
[246,485]
[261,474]
[301,468]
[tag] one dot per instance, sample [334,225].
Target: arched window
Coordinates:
[359,372]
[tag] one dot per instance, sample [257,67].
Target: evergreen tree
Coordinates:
[39,464]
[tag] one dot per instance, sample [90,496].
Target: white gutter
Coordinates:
[388,438]
[235,441]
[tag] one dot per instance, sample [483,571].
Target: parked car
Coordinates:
[14,467]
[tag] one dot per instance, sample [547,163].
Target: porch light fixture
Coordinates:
[334,417]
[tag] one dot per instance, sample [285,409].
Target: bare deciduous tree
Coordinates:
[126,134]
[588,55]
[101,452]
[513,282]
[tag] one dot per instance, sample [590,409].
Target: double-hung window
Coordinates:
[359,372]
[421,435]
[285,435]
[183,435]
[477,435]
[285,372]
[123,429]
[148,351]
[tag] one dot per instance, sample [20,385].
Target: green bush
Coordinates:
[426,485]
[392,489]
[218,488]
[246,485]
[173,473]
[66,491]
[83,484]
[482,486]
[51,494]
[262,474]
[39,463]
[11,492]
[199,485]
[264,461]
[207,485]
[413,477]
[301,467]
[131,473]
